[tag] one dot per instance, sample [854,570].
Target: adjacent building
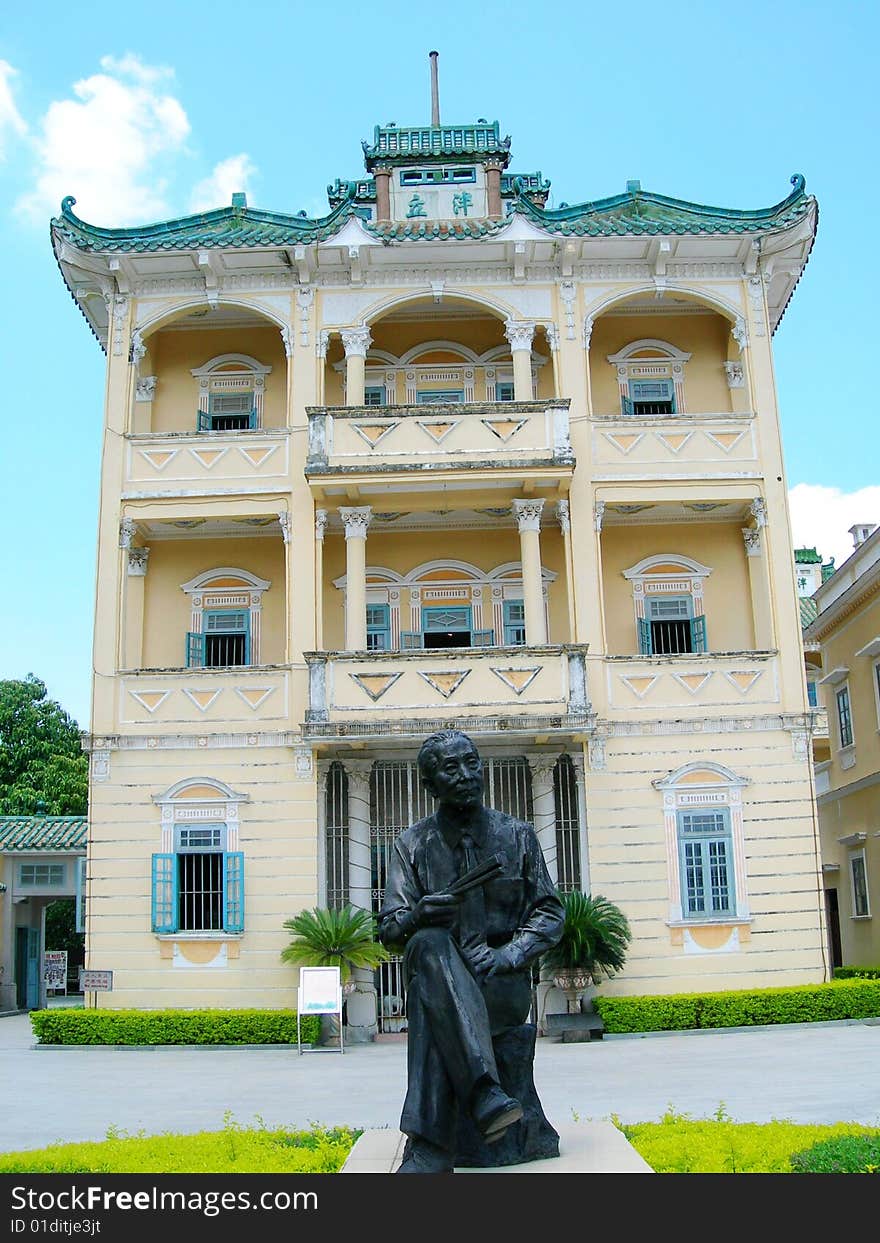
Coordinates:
[846,635]
[444,456]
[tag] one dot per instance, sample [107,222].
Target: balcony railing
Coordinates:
[205,700]
[363,439]
[691,684]
[178,463]
[507,689]
[646,444]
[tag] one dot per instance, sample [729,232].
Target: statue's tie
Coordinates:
[472,916]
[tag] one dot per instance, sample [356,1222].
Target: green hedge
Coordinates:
[812,1003]
[76,1026]
[857,973]
[846,1154]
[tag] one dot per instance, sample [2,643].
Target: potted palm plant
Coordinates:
[343,938]
[594,941]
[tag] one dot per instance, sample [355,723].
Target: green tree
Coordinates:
[42,765]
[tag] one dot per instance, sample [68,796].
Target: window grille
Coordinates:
[224,641]
[670,630]
[200,887]
[229,412]
[568,841]
[649,397]
[336,836]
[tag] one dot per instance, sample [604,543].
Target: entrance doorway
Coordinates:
[832,921]
[27,968]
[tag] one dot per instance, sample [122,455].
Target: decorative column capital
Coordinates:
[752,540]
[322,342]
[552,333]
[542,768]
[598,514]
[383,170]
[320,524]
[528,514]
[588,331]
[758,510]
[356,520]
[137,562]
[736,375]
[145,388]
[286,525]
[359,773]
[563,514]
[520,334]
[356,341]
[494,164]
[127,532]
[739,333]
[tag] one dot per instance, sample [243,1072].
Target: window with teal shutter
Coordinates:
[504,390]
[195,650]
[669,629]
[200,887]
[374,395]
[649,397]
[226,638]
[229,412]
[233,891]
[164,888]
[514,623]
[706,860]
[378,627]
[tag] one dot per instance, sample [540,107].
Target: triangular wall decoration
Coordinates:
[208,457]
[257,457]
[372,433]
[726,440]
[640,685]
[743,679]
[674,441]
[150,699]
[375,684]
[157,458]
[518,679]
[445,683]
[692,682]
[624,442]
[504,429]
[201,699]
[438,429]
[254,696]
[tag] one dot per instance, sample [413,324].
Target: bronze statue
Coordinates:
[469,897]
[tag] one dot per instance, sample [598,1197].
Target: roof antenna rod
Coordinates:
[435,90]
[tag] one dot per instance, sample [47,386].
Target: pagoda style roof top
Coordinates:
[393,143]
[637,212]
[807,556]
[26,834]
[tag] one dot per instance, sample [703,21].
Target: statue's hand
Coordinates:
[435,910]
[502,961]
[485,962]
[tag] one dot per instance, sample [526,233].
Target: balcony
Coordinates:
[422,439]
[644,445]
[161,464]
[501,690]
[204,700]
[692,685]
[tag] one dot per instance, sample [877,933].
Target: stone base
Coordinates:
[584,1148]
[530,1139]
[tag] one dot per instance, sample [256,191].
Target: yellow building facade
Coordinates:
[845,643]
[444,456]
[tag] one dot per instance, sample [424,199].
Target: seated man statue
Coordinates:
[467,958]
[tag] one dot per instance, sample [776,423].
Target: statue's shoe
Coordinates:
[494,1111]
[422,1157]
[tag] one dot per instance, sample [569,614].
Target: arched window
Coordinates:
[650,374]
[225,620]
[198,876]
[231,388]
[702,808]
[668,602]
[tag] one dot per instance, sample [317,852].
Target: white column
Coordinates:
[581,787]
[759,580]
[322,771]
[520,336]
[361,1007]
[355,342]
[320,527]
[544,808]
[356,522]
[528,519]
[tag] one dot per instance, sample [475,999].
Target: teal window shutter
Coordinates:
[645,645]
[482,638]
[410,640]
[195,650]
[374,395]
[164,891]
[514,615]
[650,397]
[233,891]
[504,390]
[698,633]
[378,627]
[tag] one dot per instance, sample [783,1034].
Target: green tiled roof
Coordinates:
[635,213]
[809,611]
[394,143]
[29,833]
[642,212]
[807,556]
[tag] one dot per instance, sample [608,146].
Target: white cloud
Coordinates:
[10,117]
[821,517]
[229,176]
[111,147]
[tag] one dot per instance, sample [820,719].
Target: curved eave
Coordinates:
[224,227]
[642,212]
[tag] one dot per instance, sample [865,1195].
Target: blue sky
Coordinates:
[148,113]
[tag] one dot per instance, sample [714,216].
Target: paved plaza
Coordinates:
[810,1073]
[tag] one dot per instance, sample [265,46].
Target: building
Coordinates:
[444,455]
[846,634]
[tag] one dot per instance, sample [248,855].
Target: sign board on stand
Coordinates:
[55,969]
[95,981]
[319,992]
